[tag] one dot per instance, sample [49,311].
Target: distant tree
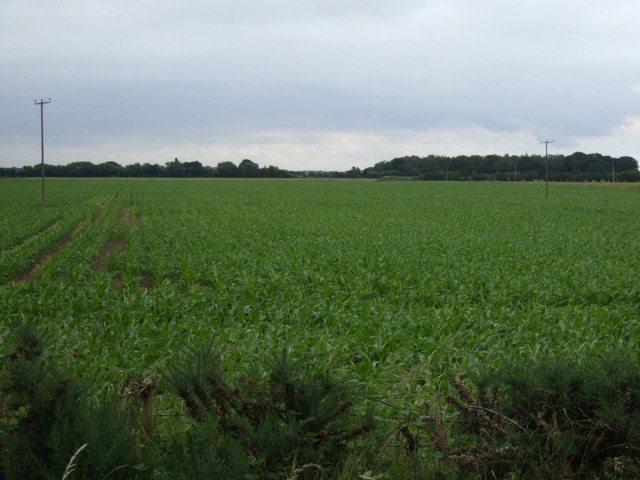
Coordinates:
[497,163]
[578,166]
[9,172]
[226,169]
[248,169]
[372,172]
[355,172]
[475,163]
[81,169]
[133,170]
[108,169]
[54,170]
[151,171]
[628,176]
[29,171]
[626,163]
[458,164]
[574,163]
[194,169]
[274,172]
[174,169]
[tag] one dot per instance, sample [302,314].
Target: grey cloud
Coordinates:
[194,69]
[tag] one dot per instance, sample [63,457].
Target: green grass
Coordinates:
[400,284]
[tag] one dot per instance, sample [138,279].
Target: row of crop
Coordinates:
[28,230]
[480,256]
[563,416]
[21,257]
[21,209]
[411,257]
[398,288]
[402,279]
[436,260]
[389,280]
[75,263]
[32,221]
[24,222]
[84,223]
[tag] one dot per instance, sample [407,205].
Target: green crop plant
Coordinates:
[388,281]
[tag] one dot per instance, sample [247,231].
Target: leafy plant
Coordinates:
[387,280]
[555,419]
[263,429]
[45,416]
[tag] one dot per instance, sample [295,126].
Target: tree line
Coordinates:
[175,169]
[577,167]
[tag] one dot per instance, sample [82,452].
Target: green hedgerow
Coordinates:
[560,418]
[261,428]
[46,416]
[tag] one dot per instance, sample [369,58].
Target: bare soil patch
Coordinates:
[29,274]
[146,280]
[116,243]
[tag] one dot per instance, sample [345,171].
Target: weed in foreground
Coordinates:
[559,419]
[45,416]
[292,424]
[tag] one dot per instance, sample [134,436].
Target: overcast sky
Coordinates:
[316,84]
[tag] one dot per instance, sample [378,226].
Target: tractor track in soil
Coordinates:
[116,244]
[29,274]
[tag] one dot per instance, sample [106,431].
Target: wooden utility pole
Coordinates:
[546,165]
[42,103]
[613,170]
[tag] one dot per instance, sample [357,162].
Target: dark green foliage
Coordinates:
[248,169]
[45,416]
[558,419]
[578,167]
[255,428]
[175,169]
[199,382]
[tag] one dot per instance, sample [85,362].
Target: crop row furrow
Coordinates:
[30,273]
[41,253]
[387,278]
[112,256]
[76,262]
[18,262]
[14,235]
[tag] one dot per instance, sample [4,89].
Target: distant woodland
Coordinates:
[174,169]
[577,167]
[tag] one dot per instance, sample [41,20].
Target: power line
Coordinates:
[546,165]
[42,103]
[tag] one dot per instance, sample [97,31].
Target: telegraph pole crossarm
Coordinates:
[546,165]
[42,103]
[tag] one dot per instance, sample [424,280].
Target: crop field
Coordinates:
[399,284]
[396,287]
